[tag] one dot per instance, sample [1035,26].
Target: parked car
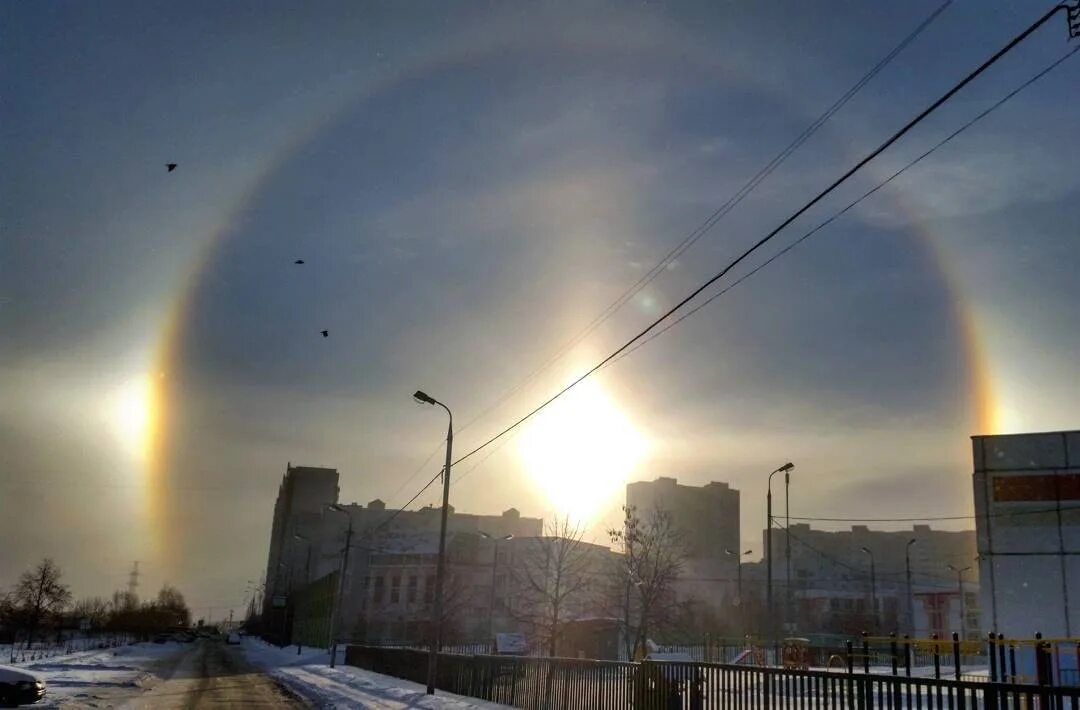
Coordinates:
[233,637]
[162,638]
[19,687]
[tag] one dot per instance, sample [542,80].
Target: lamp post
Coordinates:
[494,567]
[910,599]
[787,548]
[738,571]
[307,562]
[338,602]
[873,585]
[769,550]
[960,591]
[307,580]
[440,567]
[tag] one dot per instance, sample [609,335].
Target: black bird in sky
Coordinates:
[325,333]
[299,261]
[170,166]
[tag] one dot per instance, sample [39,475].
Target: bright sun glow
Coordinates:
[130,409]
[581,451]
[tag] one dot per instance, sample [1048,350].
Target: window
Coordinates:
[395,589]
[411,594]
[380,590]
[429,588]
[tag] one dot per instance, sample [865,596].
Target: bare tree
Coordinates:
[643,584]
[94,610]
[551,579]
[38,595]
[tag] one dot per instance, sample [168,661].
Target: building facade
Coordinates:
[386,560]
[303,494]
[858,579]
[1027,514]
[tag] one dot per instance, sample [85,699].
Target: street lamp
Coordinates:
[433,653]
[960,590]
[786,468]
[338,602]
[910,601]
[873,584]
[738,571]
[307,563]
[494,566]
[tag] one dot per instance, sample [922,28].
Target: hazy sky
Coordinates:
[470,184]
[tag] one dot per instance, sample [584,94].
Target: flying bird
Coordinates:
[299,261]
[325,333]
[170,166]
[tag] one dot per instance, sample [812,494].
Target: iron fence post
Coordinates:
[991,651]
[937,657]
[956,654]
[907,655]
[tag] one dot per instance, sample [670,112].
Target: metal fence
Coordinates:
[573,684]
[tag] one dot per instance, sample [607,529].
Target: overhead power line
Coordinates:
[769,236]
[1003,514]
[978,117]
[718,214]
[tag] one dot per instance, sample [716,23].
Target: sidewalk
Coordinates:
[310,676]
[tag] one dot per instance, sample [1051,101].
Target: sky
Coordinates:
[470,185]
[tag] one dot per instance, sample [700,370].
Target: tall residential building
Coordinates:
[304,492]
[1027,514]
[708,519]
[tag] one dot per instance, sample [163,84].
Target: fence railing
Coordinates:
[573,684]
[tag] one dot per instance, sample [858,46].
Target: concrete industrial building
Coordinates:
[831,586]
[1027,508]
[708,519]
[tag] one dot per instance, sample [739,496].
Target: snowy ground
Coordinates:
[101,678]
[310,676]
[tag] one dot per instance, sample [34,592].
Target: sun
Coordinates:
[130,409]
[581,450]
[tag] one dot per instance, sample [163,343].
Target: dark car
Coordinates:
[19,687]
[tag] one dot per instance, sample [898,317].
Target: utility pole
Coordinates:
[960,591]
[910,600]
[334,616]
[133,579]
[873,586]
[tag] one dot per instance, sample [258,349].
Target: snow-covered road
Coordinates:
[208,674]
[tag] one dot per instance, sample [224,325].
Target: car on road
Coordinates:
[233,637]
[19,687]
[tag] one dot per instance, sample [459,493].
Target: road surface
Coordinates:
[211,674]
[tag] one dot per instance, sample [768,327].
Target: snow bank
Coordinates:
[99,674]
[309,675]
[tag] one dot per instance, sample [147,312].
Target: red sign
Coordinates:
[1043,487]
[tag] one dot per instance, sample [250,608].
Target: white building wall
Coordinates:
[1027,507]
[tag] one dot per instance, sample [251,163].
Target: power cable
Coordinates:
[716,215]
[1004,514]
[769,236]
[852,204]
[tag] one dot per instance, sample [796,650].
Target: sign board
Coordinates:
[278,601]
[511,644]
